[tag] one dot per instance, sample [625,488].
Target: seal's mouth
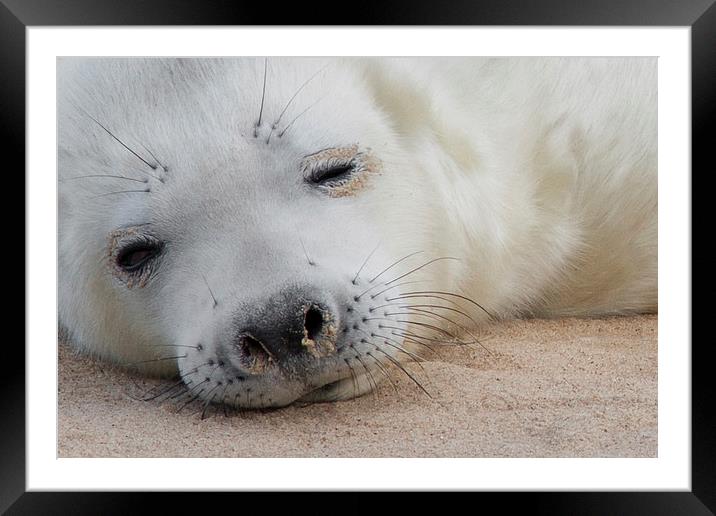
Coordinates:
[332,391]
[319,393]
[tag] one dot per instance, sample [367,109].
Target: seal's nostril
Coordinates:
[252,354]
[313,322]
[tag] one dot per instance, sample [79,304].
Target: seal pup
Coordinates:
[273,230]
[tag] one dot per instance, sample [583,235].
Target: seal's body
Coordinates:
[287,229]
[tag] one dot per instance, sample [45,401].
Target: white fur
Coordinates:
[539,174]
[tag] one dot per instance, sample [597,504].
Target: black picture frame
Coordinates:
[17,15]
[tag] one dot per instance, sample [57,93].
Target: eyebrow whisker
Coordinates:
[263,95]
[153,167]
[104,175]
[280,116]
[164,167]
[280,135]
[146,190]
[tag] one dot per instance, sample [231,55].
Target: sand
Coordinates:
[548,388]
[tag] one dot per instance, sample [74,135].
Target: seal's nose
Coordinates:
[292,325]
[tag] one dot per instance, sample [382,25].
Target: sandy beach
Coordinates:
[546,388]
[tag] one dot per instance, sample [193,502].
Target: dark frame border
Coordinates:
[700,15]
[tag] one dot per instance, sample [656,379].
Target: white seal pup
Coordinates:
[280,229]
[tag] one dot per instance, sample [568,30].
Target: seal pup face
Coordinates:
[243,213]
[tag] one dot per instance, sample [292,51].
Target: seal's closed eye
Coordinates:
[340,171]
[133,253]
[331,173]
[133,257]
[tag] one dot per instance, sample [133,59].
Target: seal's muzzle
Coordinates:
[292,328]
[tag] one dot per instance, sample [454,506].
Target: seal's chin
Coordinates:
[345,388]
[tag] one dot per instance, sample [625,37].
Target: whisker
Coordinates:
[310,262]
[142,171]
[460,326]
[423,265]
[210,291]
[447,300]
[208,400]
[193,371]
[389,288]
[261,401]
[405,295]
[373,335]
[415,335]
[190,400]
[399,366]
[174,346]
[153,167]
[298,91]
[382,368]
[280,116]
[393,265]
[164,391]
[238,410]
[164,167]
[371,381]
[441,307]
[154,360]
[218,365]
[430,315]
[399,305]
[410,339]
[423,337]
[141,388]
[181,380]
[146,190]
[112,176]
[280,135]
[416,358]
[432,327]
[189,393]
[180,392]
[364,264]
[263,95]
[223,399]
[354,378]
